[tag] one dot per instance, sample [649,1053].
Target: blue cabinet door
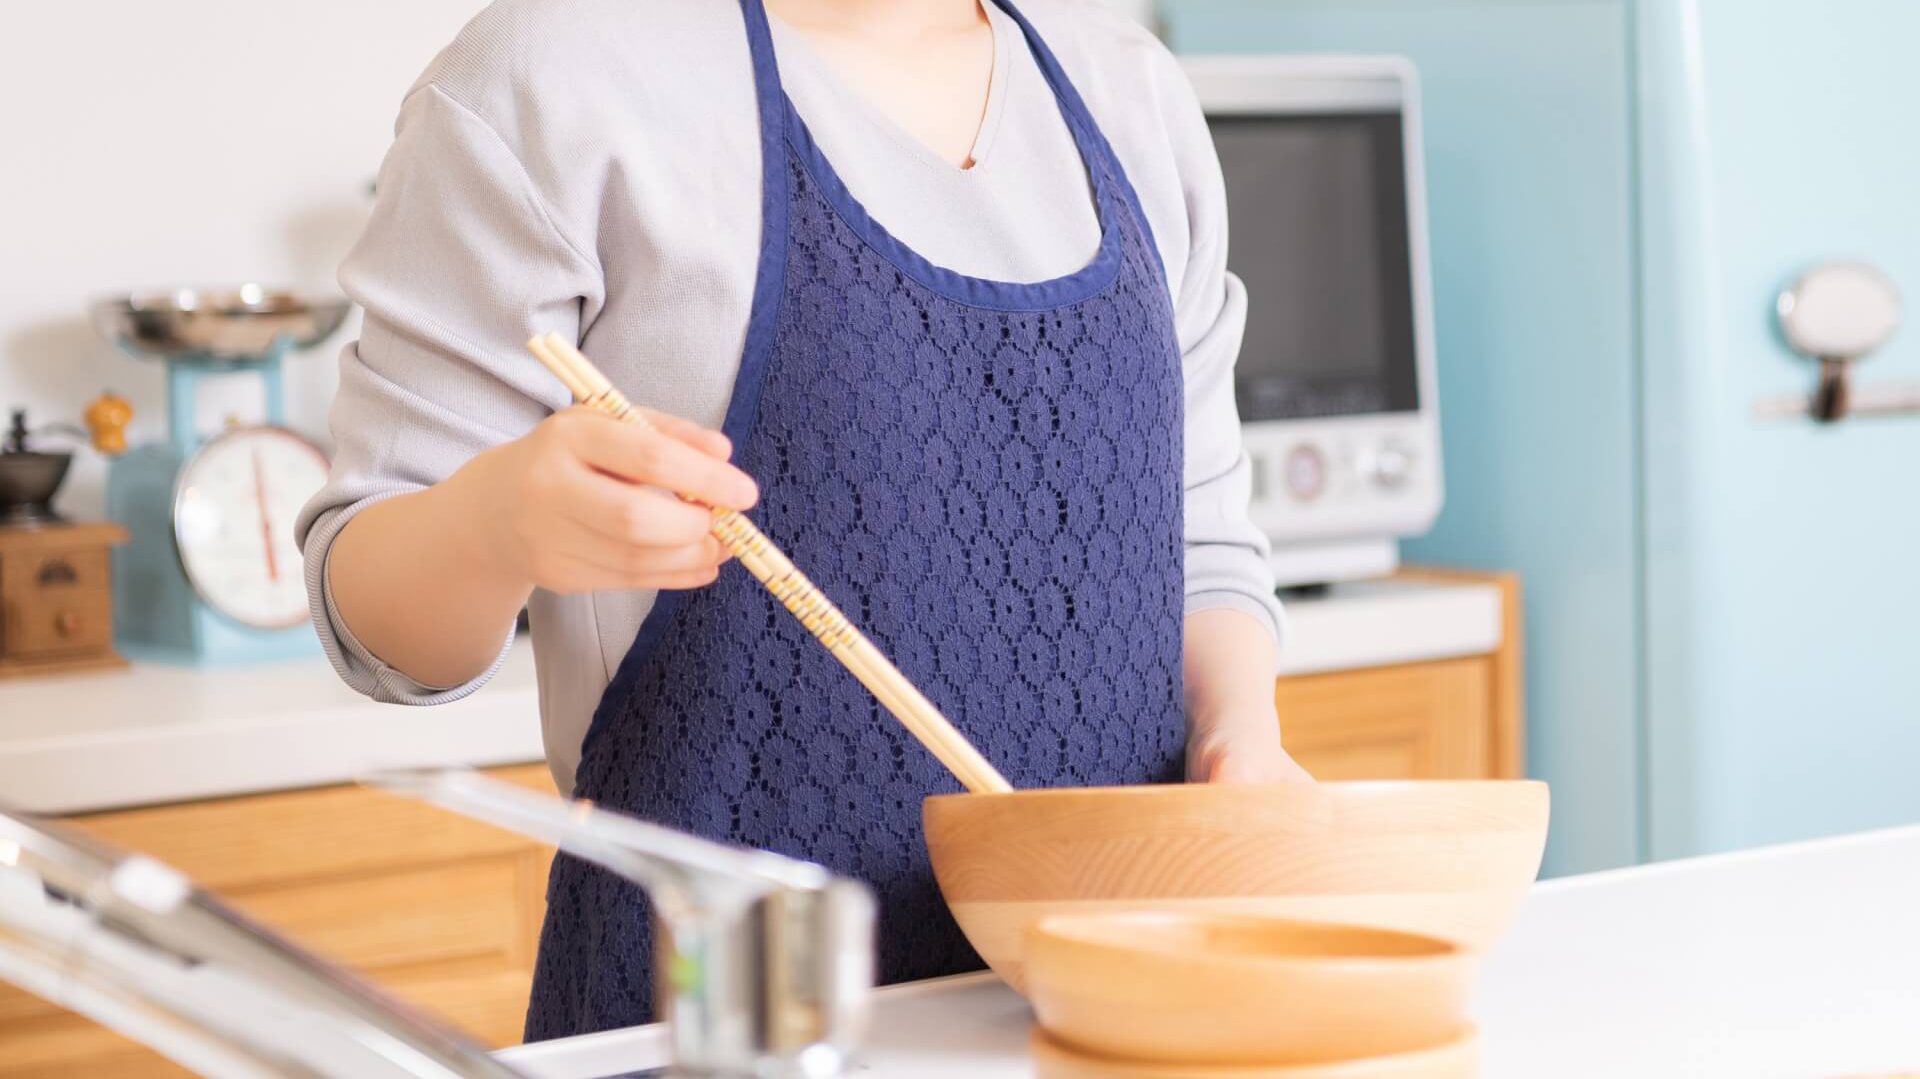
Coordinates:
[1531,157]
[1784,558]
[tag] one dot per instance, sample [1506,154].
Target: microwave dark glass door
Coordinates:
[1317,213]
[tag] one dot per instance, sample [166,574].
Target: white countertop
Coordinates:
[1797,962]
[1397,620]
[151,734]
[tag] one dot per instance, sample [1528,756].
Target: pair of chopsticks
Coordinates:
[800,596]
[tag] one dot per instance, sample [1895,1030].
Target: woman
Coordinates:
[959,310]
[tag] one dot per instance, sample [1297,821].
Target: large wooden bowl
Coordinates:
[1448,859]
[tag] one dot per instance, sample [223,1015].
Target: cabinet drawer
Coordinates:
[1421,721]
[63,1046]
[51,571]
[434,924]
[382,922]
[442,912]
[58,621]
[233,845]
[491,1006]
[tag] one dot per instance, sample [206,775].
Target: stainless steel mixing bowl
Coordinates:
[235,324]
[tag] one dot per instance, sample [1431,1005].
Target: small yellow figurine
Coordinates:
[107,418]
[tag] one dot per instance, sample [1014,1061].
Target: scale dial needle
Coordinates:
[266,521]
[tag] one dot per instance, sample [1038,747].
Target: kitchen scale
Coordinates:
[211,574]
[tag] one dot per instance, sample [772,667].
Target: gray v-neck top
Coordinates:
[593,167]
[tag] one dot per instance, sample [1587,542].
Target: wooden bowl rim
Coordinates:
[1440,952]
[1371,788]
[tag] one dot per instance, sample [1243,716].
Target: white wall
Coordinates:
[151,144]
[192,141]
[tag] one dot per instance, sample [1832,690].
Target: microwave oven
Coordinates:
[1335,383]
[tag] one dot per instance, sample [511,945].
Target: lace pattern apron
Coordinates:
[987,478]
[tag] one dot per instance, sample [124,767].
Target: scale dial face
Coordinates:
[234,508]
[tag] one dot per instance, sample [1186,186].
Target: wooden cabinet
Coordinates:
[56,598]
[441,911]
[1456,718]
[1427,721]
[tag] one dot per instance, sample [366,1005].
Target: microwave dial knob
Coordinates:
[1392,465]
[1305,472]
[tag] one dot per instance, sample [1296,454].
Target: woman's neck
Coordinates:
[881,18]
[927,65]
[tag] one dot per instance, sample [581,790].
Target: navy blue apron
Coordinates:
[986,477]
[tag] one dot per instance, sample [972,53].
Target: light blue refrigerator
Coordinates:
[1723,602]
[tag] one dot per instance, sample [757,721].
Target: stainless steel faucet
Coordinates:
[766,965]
[132,944]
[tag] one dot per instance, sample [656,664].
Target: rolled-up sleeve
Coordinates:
[1226,553]
[461,263]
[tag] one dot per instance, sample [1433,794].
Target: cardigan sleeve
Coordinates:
[1226,553]
[460,264]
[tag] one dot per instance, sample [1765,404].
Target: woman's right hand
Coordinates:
[585,502]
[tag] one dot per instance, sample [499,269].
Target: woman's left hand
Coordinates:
[1233,732]
[1240,748]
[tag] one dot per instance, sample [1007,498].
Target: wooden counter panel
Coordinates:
[63,1046]
[1458,718]
[439,914]
[1423,721]
[231,844]
[442,912]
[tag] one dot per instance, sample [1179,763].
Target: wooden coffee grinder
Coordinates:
[56,595]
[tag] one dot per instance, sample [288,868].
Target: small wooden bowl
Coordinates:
[1239,989]
[1446,859]
[1458,1058]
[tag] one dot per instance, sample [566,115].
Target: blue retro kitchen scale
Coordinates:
[211,574]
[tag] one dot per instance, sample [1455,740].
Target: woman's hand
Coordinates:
[1240,748]
[430,581]
[1233,732]
[585,502]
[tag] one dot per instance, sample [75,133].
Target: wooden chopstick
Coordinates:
[800,596]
